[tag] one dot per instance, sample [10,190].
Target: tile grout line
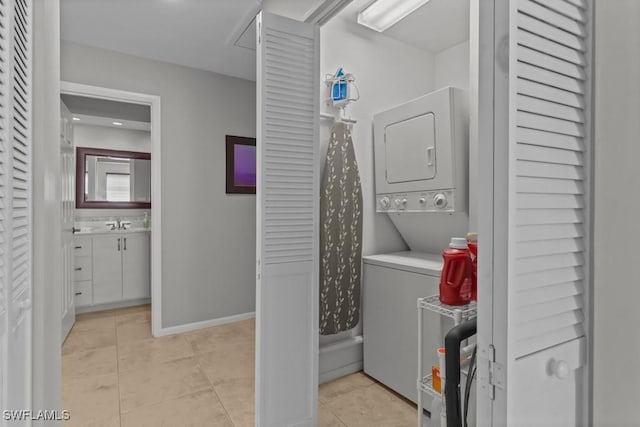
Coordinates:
[330,409]
[175,397]
[115,326]
[213,387]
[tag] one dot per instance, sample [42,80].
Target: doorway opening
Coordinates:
[134,153]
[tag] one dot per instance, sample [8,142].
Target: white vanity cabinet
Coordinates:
[82,275]
[107,269]
[135,267]
[114,268]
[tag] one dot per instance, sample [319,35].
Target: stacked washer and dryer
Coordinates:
[421,174]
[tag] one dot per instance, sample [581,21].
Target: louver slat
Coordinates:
[549,256]
[4,188]
[289,152]
[20,154]
[15,202]
[558,20]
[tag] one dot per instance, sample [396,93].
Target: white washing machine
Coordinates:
[392,284]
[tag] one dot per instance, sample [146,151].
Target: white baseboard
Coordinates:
[112,305]
[67,324]
[171,330]
[340,358]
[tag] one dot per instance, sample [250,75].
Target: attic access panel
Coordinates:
[410,148]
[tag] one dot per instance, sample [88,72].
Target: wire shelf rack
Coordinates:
[433,303]
[424,385]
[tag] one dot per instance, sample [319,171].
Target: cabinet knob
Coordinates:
[118,243]
[78,293]
[558,368]
[77,247]
[78,269]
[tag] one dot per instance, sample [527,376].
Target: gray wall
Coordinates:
[208,237]
[617,287]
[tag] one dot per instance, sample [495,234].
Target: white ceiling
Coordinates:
[204,34]
[436,26]
[294,9]
[195,33]
[88,106]
[84,120]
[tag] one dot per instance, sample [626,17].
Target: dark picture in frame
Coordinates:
[241,165]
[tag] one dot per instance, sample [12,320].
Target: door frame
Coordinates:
[153,101]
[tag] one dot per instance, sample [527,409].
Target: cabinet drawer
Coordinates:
[82,246]
[83,293]
[82,268]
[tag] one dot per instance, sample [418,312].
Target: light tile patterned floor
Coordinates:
[116,374]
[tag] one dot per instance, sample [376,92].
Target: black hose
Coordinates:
[467,387]
[452,368]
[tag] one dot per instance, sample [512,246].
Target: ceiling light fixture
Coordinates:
[383,14]
[76,119]
[117,123]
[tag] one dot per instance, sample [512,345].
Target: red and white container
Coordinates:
[472,244]
[457,273]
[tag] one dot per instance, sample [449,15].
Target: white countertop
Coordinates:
[416,262]
[105,230]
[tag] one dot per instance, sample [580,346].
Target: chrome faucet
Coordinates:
[118,224]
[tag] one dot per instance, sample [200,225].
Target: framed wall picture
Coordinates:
[241,165]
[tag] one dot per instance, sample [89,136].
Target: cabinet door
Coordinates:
[107,269]
[135,266]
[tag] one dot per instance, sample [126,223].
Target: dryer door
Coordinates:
[410,148]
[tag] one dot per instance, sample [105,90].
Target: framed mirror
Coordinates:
[112,179]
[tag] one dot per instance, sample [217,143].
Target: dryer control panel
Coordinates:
[422,201]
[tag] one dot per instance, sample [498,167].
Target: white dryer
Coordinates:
[422,167]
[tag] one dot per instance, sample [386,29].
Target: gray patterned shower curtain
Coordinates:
[340,235]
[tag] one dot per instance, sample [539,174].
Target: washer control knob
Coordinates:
[398,202]
[422,200]
[404,203]
[440,201]
[385,203]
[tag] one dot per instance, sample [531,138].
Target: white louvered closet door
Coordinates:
[15,203]
[287,222]
[541,217]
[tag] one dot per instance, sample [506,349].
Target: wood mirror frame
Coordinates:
[81,156]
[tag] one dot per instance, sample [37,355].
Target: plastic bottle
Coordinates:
[472,243]
[457,276]
[145,221]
